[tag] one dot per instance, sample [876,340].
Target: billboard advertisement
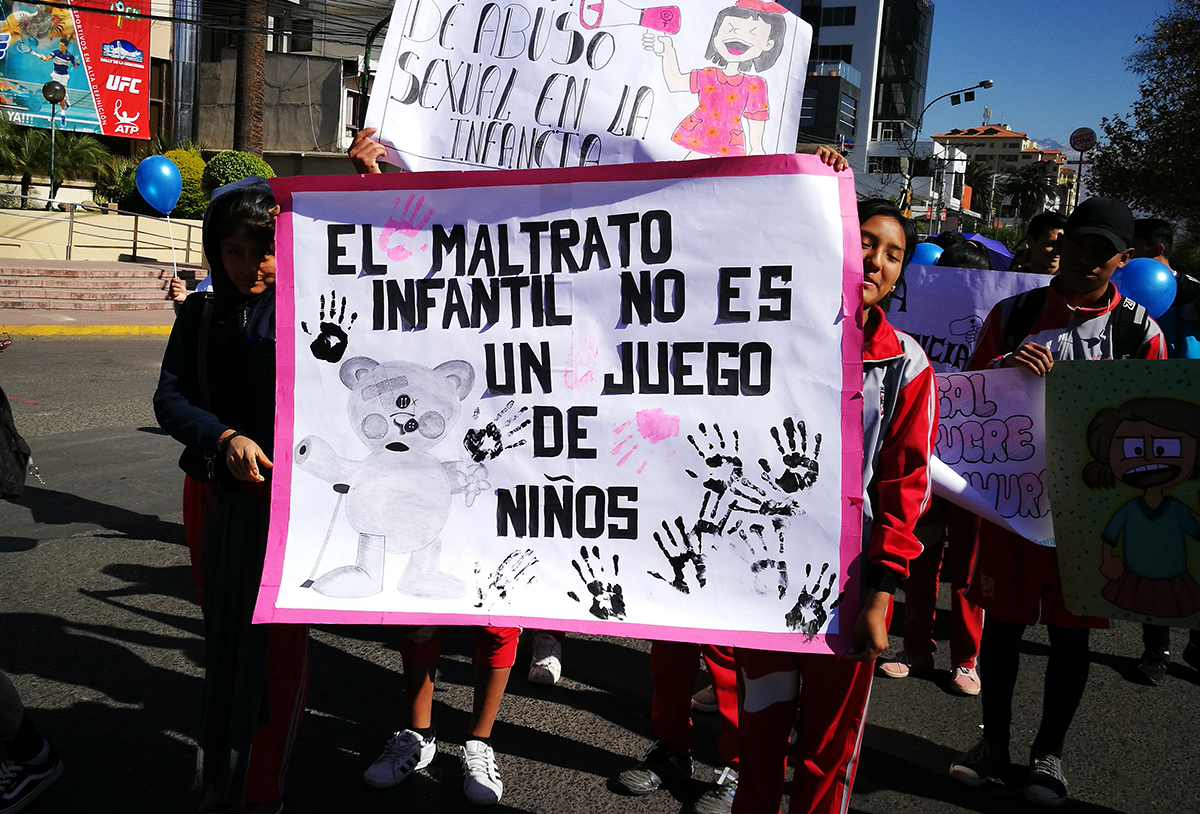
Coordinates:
[98,50]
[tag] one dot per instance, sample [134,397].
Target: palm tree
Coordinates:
[1029,187]
[77,156]
[982,181]
[31,156]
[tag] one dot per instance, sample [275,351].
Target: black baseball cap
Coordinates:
[1106,217]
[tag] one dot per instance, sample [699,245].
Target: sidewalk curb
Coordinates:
[88,330]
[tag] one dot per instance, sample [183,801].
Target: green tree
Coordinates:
[1147,157]
[77,157]
[233,165]
[192,199]
[1028,187]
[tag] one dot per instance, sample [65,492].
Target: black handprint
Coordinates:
[809,614]
[802,471]
[684,552]
[331,343]
[768,573]
[608,602]
[509,573]
[487,443]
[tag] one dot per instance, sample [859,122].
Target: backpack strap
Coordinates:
[1020,320]
[1128,322]
[206,315]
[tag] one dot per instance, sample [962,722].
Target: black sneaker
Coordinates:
[1191,655]
[1046,784]
[656,770]
[719,800]
[1153,666]
[980,763]
[21,782]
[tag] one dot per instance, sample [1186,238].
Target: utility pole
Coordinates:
[251,79]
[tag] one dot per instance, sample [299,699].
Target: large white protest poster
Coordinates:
[571,83]
[944,308]
[587,400]
[992,433]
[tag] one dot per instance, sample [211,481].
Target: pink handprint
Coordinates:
[406,227]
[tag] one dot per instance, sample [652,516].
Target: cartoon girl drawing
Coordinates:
[733,109]
[1151,445]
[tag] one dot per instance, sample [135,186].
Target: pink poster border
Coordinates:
[851,515]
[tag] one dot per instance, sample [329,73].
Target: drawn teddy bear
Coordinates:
[397,499]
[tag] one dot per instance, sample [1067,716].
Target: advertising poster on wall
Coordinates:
[98,50]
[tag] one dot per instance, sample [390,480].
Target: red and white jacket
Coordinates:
[899,433]
[1070,333]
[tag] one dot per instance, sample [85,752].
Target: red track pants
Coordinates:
[921,588]
[287,671]
[673,668]
[832,712]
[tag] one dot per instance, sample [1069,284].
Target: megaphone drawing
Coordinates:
[597,13]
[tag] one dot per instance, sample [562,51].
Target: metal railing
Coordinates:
[187,247]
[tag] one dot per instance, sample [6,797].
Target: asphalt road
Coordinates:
[100,631]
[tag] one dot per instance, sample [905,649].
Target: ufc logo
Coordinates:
[123,83]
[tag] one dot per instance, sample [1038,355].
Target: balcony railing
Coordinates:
[836,68]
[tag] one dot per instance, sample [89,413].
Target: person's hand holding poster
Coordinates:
[582,400]
[587,82]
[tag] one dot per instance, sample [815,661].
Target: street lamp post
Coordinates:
[983,84]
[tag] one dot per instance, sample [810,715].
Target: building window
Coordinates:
[885,165]
[837,15]
[847,112]
[302,34]
[834,53]
[808,108]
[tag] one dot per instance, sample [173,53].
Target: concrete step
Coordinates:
[84,305]
[99,284]
[95,294]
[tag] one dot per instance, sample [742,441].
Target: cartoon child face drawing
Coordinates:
[742,39]
[732,103]
[1151,445]
[1146,456]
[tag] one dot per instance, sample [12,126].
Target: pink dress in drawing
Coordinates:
[715,128]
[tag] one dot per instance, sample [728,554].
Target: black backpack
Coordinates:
[1127,321]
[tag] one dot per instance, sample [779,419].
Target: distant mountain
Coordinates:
[1051,144]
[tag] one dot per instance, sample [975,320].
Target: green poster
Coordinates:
[1122,442]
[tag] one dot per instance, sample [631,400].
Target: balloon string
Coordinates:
[171,236]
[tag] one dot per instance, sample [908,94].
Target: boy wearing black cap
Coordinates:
[1080,315]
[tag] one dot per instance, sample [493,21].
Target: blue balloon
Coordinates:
[1147,282]
[927,254]
[159,181]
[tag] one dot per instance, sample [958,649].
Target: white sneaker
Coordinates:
[546,665]
[481,778]
[404,754]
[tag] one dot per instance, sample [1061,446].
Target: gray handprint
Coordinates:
[769,573]
[508,574]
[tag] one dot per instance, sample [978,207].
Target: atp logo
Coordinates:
[124,83]
[127,124]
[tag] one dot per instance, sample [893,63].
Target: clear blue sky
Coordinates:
[1057,64]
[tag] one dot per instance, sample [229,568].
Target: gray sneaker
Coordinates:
[1046,784]
[719,800]
[657,769]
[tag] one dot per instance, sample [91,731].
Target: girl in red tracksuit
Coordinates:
[899,428]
